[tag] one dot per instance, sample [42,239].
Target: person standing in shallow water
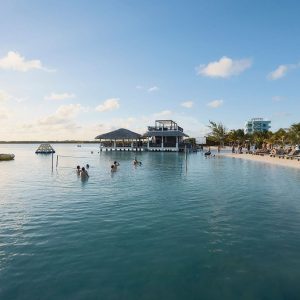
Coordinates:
[136,162]
[78,170]
[84,174]
[233,149]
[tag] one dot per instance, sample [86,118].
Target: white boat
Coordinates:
[7,156]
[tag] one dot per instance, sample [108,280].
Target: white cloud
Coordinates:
[224,68]
[63,115]
[14,61]
[279,72]
[21,99]
[64,125]
[164,113]
[62,96]
[282,71]
[282,114]
[4,113]
[187,104]
[109,104]
[215,103]
[277,98]
[153,89]
[4,96]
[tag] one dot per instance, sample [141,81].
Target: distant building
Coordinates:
[257,125]
[166,135]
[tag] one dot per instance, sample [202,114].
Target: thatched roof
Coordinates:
[119,134]
[165,133]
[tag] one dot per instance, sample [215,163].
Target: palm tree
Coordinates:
[218,132]
[280,137]
[236,136]
[259,138]
[294,134]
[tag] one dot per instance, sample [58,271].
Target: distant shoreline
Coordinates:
[49,142]
[266,159]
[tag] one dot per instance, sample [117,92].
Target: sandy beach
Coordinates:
[266,159]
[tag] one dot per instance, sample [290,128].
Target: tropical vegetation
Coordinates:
[219,135]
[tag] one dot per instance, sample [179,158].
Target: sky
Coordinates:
[74,69]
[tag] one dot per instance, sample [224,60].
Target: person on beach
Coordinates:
[84,174]
[233,149]
[241,150]
[219,149]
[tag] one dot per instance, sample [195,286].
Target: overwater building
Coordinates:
[165,136]
[257,125]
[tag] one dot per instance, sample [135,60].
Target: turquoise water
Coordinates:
[218,229]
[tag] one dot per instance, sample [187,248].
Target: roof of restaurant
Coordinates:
[119,134]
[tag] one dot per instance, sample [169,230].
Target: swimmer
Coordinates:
[84,174]
[116,163]
[78,170]
[113,168]
[136,162]
[87,166]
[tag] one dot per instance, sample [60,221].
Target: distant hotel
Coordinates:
[257,125]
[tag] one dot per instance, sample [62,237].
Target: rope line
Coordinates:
[73,156]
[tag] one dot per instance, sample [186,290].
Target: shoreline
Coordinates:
[283,162]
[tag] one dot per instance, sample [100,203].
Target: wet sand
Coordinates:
[266,159]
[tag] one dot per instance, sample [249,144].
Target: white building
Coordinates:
[257,125]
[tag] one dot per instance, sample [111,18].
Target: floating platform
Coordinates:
[7,156]
[45,149]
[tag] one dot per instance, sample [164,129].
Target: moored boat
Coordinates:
[7,156]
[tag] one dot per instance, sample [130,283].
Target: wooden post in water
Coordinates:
[52,162]
[185,157]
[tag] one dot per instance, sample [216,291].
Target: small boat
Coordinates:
[45,149]
[7,156]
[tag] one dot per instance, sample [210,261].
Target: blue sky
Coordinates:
[74,69]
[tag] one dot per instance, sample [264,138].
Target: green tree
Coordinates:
[280,137]
[259,138]
[294,134]
[236,136]
[218,132]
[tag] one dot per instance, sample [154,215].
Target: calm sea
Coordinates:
[170,229]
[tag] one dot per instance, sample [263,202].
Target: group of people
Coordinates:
[114,166]
[82,172]
[239,149]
